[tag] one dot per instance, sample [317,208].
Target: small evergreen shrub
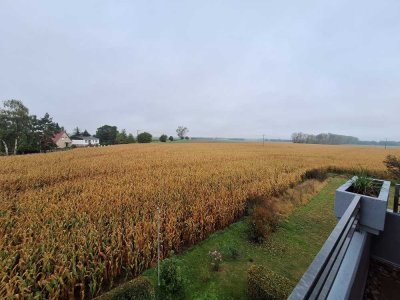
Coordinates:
[233,252]
[171,279]
[264,284]
[139,288]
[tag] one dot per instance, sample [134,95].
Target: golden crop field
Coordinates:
[76,221]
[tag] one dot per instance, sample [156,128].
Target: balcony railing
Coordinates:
[396,198]
[317,281]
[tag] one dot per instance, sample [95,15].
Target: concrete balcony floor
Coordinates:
[383,281]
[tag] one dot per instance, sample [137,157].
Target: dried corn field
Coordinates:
[72,223]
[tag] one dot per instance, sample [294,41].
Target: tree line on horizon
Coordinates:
[109,135]
[336,139]
[23,133]
[323,138]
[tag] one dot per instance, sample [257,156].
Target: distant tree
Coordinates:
[393,165]
[39,137]
[131,139]
[163,138]
[122,137]
[186,138]
[107,134]
[25,133]
[144,137]
[46,130]
[59,128]
[30,141]
[15,123]
[86,133]
[76,132]
[171,138]
[295,137]
[182,131]
[5,132]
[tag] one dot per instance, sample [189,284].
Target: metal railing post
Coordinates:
[396,198]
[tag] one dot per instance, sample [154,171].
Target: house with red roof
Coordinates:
[62,140]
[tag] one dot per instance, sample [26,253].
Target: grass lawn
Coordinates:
[288,252]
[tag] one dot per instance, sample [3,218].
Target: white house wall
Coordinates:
[85,142]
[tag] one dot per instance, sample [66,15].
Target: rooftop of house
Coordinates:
[84,138]
[57,136]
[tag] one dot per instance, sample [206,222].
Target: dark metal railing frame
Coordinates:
[317,281]
[396,198]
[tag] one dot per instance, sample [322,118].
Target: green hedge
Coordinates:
[139,288]
[263,284]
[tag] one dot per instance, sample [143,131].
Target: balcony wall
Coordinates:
[386,245]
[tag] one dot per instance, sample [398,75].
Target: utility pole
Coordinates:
[158,245]
[263,139]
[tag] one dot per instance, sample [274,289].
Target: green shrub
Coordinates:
[263,284]
[131,139]
[144,137]
[171,279]
[163,138]
[171,138]
[139,288]
[233,252]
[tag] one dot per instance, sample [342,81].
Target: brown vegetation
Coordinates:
[267,212]
[72,223]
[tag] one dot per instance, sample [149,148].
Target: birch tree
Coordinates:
[14,121]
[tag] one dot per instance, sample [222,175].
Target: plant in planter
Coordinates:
[374,195]
[364,185]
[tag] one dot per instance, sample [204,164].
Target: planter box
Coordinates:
[373,209]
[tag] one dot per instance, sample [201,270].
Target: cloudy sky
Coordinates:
[221,68]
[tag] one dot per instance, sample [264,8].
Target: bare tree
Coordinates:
[182,131]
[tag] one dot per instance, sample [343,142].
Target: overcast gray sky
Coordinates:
[221,68]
